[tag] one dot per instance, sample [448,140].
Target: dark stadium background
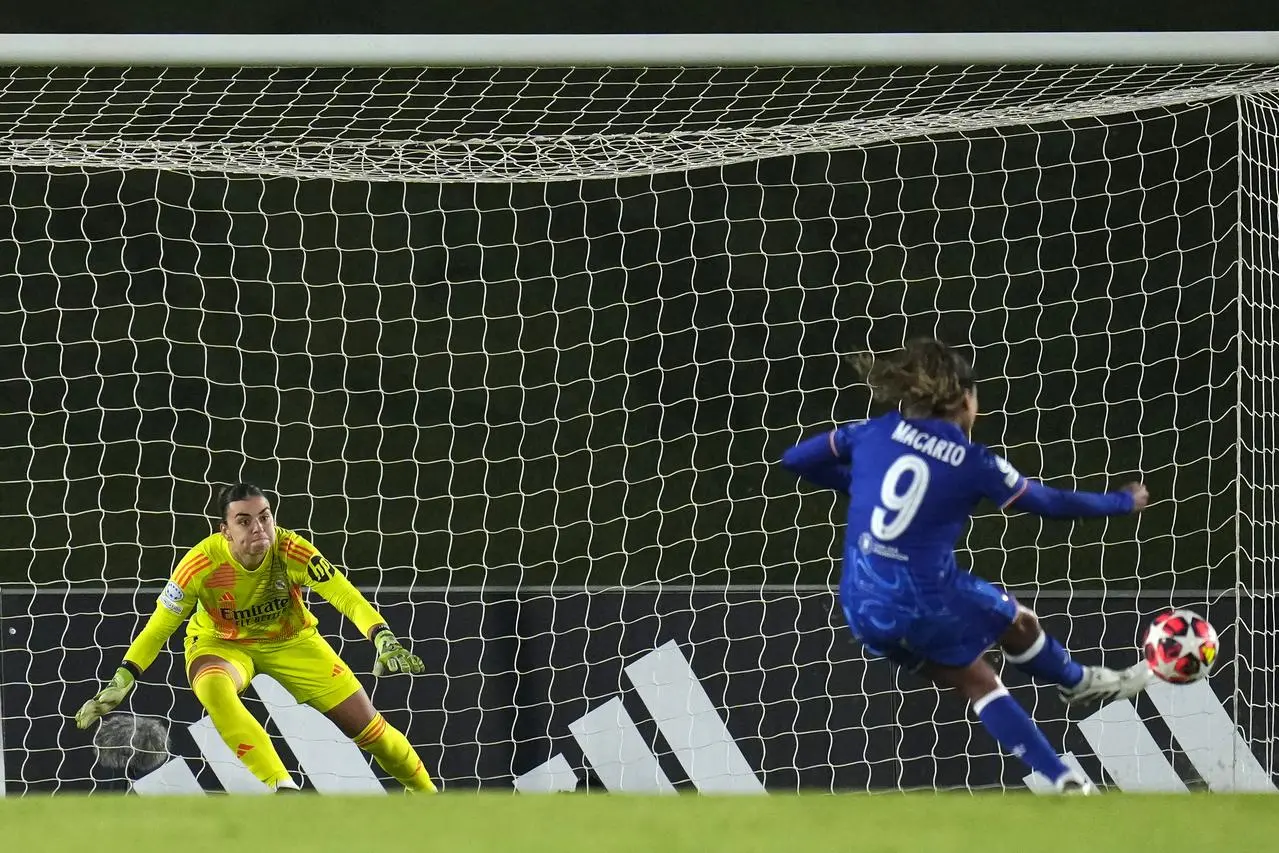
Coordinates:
[1176,186]
[660,362]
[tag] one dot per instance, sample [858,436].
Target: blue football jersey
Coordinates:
[913,486]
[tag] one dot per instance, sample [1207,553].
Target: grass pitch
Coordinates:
[810,823]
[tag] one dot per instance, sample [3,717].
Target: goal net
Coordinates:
[519,348]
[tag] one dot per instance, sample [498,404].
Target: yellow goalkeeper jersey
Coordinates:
[227,601]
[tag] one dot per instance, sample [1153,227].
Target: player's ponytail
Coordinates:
[237,492]
[925,377]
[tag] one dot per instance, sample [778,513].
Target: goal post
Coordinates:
[515,328]
[621,50]
[1258,210]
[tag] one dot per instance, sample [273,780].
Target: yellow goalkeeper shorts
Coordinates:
[305,665]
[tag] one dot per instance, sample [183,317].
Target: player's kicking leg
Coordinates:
[951,650]
[1029,648]
[1008,722]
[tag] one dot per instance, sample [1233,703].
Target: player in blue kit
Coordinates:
[913,478]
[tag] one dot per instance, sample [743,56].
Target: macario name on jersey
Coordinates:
[941,449]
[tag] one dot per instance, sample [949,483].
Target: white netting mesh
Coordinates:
[487,400]
[544,124]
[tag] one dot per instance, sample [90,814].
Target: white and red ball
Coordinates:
[1180,646]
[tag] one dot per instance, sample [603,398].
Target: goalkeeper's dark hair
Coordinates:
[233,493]
[925,377]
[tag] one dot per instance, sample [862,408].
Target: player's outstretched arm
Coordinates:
[391,657]
[1047,502]
[1001,483]
[821,460]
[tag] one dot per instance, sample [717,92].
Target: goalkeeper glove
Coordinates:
[106,700]
[392,657]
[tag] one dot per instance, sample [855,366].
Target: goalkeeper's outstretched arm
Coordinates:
[172,609]
[323,577]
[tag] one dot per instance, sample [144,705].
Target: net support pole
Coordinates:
[2,771]
[1240,106]
[122,49]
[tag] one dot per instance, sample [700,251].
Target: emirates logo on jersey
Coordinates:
[264,612]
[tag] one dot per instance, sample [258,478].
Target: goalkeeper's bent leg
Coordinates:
[215,688]
[395,754]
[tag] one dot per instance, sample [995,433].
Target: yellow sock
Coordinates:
[215,688]
[396,755]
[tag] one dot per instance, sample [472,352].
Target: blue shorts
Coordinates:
[973,616]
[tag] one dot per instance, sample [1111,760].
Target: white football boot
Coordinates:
[1072,784]
[1102,684]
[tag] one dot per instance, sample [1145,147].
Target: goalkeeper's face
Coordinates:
[250,529]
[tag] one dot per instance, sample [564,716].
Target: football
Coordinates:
[1180,646]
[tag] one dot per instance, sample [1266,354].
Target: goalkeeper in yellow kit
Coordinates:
[244,585]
